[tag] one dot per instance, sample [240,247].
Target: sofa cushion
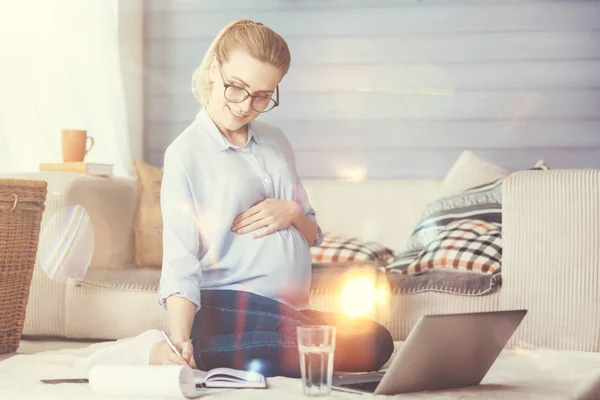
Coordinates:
[483,203]
[330,278]
[468,244]
[442,223]
[343,249]
[347,207]
[148,217]
[469,171]
[133,279]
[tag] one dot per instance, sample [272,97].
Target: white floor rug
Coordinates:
[540,374]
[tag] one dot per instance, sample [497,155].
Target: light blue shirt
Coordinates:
[206,183]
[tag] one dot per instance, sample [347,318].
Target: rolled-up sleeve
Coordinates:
[181,270]
[313,217]
[302,199]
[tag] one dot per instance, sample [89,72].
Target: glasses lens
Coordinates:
[263,104]
[236,94]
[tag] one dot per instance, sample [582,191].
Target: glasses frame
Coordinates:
[227,85]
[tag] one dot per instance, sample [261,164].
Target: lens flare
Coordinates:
[66,244]
[255,369]
[359,296]
[382,295]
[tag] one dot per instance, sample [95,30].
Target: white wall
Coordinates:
[398,88]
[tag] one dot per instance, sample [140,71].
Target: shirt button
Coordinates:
[266,180]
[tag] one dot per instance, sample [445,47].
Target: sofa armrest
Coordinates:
[551,257]
[110,205]
[109,202]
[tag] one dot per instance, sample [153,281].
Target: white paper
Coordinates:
[129,351]
[149,381]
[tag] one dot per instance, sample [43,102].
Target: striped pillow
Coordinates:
[482,203]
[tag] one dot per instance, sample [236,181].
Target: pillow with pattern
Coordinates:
[466,244]
[482,203]
[341,249]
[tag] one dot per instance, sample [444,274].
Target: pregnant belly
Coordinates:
[278,266]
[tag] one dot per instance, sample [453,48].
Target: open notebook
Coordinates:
[169,380]
[229,378]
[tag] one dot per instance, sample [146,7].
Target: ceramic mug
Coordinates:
[75,144]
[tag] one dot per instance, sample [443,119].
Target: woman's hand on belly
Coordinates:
[266,217]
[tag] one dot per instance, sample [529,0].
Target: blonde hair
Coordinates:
[259,41]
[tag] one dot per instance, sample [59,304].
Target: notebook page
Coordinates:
[234,375]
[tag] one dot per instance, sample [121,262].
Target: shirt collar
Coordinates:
[206,123]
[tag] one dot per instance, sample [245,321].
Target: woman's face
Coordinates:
[241,71]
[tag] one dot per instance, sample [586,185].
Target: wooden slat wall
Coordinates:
[398,88]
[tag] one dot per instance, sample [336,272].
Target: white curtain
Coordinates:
[60,69]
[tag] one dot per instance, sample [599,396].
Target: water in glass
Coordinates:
[316,345]
[316,363]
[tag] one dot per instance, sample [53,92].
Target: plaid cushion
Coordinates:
[340,249]
[481,203]
[468,244]
[456,247]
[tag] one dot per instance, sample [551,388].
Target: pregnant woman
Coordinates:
[238,225]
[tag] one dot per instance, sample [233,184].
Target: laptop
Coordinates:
[441,352]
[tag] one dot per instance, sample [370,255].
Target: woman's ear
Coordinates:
[213,69]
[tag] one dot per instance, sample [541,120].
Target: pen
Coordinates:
[171,344]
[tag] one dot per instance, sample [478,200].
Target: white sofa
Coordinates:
[551,256]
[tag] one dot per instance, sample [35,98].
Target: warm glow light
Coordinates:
[382,295]
[351,173]
[359,296]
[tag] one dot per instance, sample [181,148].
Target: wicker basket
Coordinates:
[21,208]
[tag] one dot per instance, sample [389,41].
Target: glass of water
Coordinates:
[316,345]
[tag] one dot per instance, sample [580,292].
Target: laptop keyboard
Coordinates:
[368,387]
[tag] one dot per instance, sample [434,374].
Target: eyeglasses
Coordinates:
[236,94]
